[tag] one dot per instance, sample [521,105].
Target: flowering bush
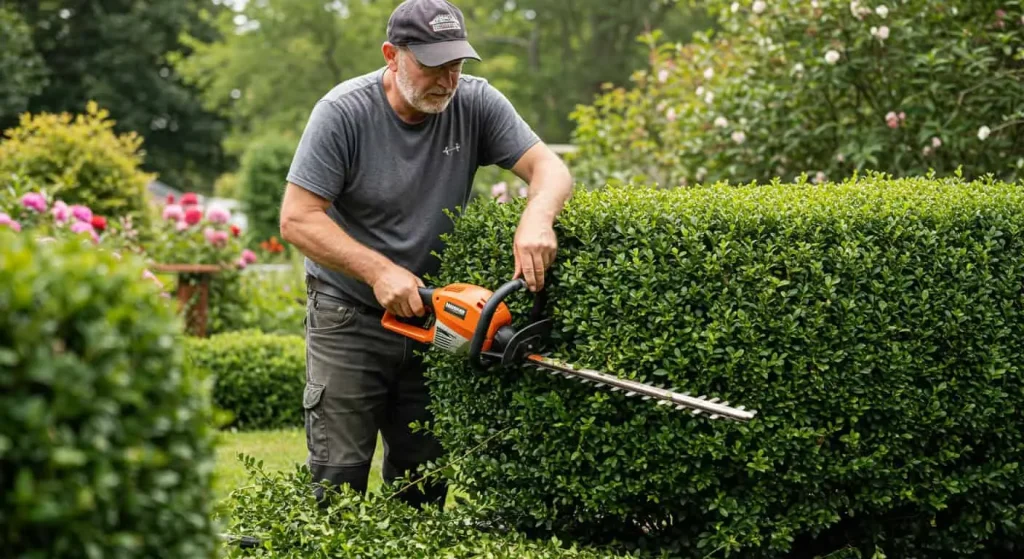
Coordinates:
[192,234]
[81,159]
[54,218]
[821,88]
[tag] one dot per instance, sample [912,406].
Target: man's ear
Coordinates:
[390,52]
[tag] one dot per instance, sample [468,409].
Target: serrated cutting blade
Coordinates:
[663,396]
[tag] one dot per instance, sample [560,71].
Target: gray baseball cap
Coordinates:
[434,30]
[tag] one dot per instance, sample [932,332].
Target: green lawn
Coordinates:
[279,450]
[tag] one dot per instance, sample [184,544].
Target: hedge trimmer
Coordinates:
[471,320]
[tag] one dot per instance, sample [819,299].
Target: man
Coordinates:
[382,157]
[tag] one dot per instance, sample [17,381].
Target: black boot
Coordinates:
[354,476]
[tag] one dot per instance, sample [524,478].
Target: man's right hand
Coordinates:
[397,290]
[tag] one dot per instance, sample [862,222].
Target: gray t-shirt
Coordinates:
[390,182]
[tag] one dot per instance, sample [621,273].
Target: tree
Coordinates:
[550,57]
[23,70]
[273,60]
[115,52]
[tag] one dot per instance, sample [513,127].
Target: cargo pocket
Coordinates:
[316,426]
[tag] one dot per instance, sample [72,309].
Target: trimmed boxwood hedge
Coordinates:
[257,378]
[874,324]
[106,443]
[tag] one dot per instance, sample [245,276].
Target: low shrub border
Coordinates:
[257,378]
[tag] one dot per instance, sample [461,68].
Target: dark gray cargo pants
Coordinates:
[361,379]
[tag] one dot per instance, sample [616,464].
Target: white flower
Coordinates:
[735,7]
[840,157]
[819,177]
[663,76]
[814,3]
[882,11]
[832,56]
[701,173]
[709,97]
[759,6]
[700,91]
[709,73]
[671,115]
[721,122]
[936,142]
[880,32]
[798,68]
[983,132]
[739,137]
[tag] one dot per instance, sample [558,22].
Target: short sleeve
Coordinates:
[321,158]
[505,136]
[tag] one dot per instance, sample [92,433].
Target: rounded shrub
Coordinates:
[873,324]
[258,378]
[261,182]
[106,448]
[81,160]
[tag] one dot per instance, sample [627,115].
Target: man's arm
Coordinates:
[550,186]
[305,224]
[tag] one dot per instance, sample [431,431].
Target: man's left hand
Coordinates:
[534,248]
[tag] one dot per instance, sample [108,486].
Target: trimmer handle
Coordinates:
[487,314]
[423,335]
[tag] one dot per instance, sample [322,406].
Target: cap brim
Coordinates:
[439,54]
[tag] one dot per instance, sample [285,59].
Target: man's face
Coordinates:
[427,89]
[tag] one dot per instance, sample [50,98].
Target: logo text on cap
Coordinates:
[444,22]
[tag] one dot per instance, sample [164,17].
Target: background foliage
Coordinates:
[261,184]
[824,88]
[872,324]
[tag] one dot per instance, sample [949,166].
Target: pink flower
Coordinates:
[81,227]
[173,212]
[218,215]
[215,237]
[147,275]
[189,199]
[181,225]
[193,215]
[499,189]
[523,192]
[241,263]
[893,120]
[60,211]
[85,227]
[936,142]
[34,201]
[6,220]
[248,256]
[82,213]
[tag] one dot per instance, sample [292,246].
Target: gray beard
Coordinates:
[416,99]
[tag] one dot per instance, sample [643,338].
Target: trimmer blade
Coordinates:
[714,407]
